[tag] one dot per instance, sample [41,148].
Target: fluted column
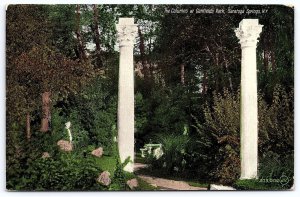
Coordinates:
[126,32]
[248,33]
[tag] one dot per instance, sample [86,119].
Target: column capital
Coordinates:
[248,32]
[126,31]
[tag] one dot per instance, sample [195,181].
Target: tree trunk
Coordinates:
[81,48]
[272,52]
[146,66]
[28,132]
[204,83]
[266,60]
[266,52]
[97,36]
[141,46]
[182,73]
[46,111]
[217,76]
[272,57]
[227,71]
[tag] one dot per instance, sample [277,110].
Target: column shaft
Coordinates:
[248,115]
[126,106]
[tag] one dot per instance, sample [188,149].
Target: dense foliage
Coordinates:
[187,94]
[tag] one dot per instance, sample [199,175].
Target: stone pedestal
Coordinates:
[248,33]
[126,32]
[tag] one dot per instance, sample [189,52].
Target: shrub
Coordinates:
[65,173]
[275,130]
[165,111]
[251,184]
[79,135]
[256,184]
[16,146]
[141,113]
[175,152]
[104,130]
[93,115]
[222,120]
[121,177]
[77,170]
[277,170]
[119,181]
[279,123]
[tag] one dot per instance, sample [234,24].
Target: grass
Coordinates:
[107,163]
[197,184]
[144,186]
[254,184]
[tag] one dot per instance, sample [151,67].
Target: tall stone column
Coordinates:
[248,33]
[126,32]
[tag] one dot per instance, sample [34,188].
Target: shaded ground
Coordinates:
[163,183]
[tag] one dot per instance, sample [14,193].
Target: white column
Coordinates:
[126,32]
[248,33]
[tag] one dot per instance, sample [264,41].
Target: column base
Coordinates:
[248,177]
[129,167]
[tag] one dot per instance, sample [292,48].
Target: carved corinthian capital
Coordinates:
[248,32]
[126,31]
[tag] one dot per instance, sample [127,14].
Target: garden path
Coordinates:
[165,184]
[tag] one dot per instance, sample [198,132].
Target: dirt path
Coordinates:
[138,166]
[165,184]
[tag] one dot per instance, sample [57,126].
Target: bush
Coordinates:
[173,161]
[119,181]
[16,145]
[275,130]
[279,123]
[65,173]
[169,113]
[120,177]
[251,184]
[79,135]
[222,121]
[105,130]
[141,113]
[257,184]
[77,170]
[165,110]
[274,167]
[93,114]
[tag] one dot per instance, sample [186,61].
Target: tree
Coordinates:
[53,74]
[63,23]
[81,54]
[96,36]
[27,26]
